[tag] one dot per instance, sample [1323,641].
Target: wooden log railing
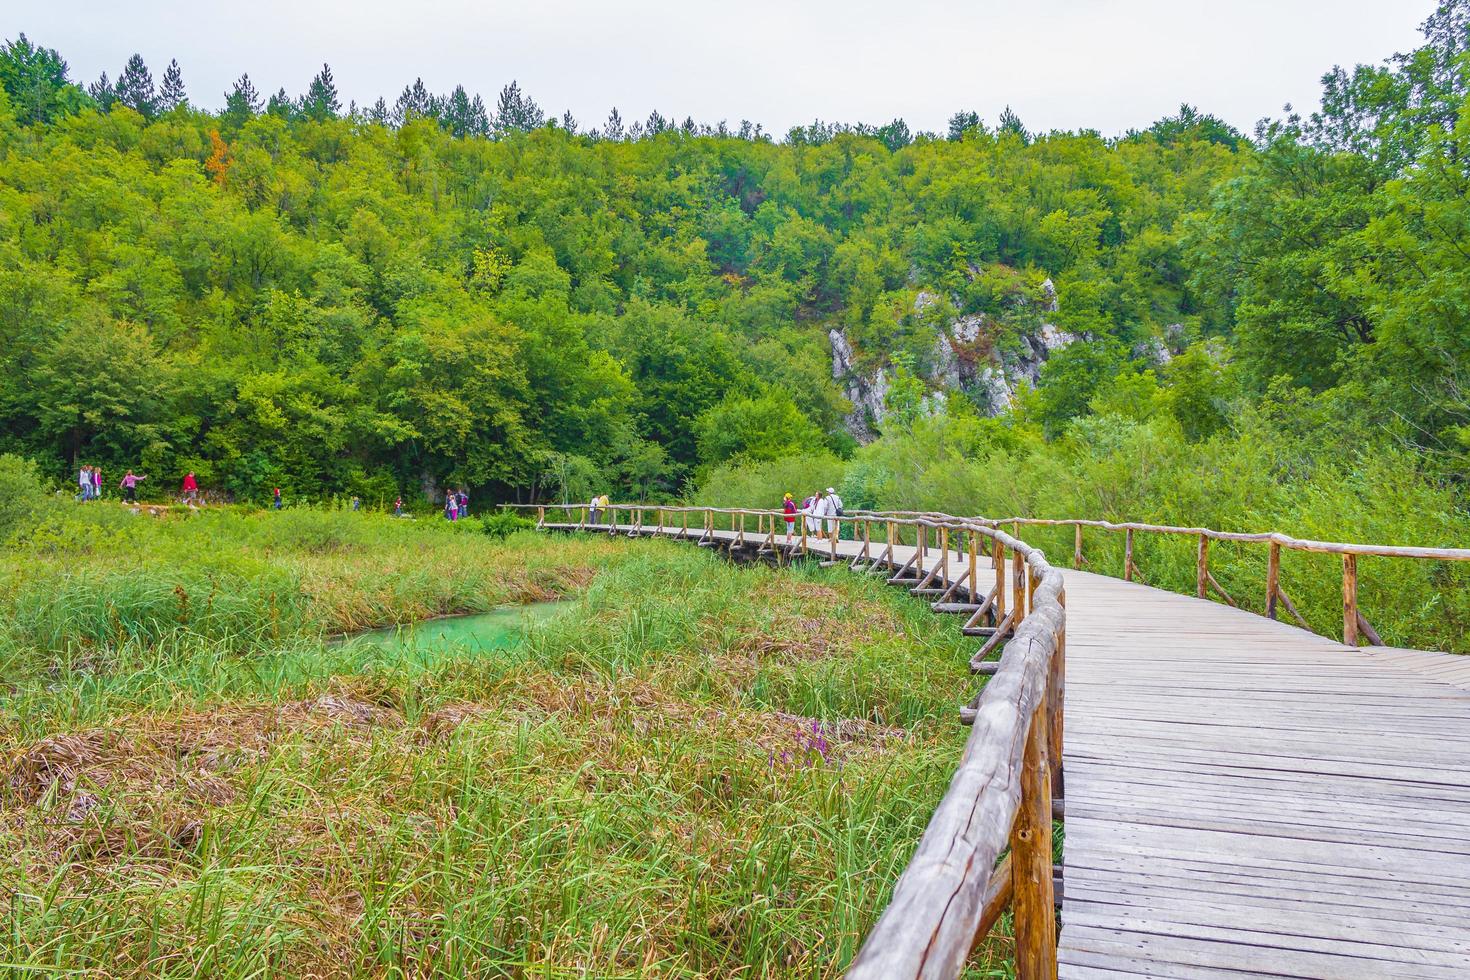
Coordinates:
[1355,625]
[1006,789]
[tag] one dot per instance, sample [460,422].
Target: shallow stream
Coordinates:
[494,630]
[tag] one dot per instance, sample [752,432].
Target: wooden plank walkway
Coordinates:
[1248,799]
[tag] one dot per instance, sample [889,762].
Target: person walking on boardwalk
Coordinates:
[398,507]
[451,506]
[809,509]
[834,503]
[820,522]
[276,499]
[129,486]
[788,507]
[96,483]
[464,502]
[357,503]
[84,483]
[191,488]
[602,503]
[592,509]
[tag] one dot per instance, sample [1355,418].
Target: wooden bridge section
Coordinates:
[1241,798]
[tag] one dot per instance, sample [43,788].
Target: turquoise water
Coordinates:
[481,632]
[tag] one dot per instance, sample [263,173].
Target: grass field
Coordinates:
[692,769]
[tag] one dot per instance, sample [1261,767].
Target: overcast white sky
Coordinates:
[1062,64]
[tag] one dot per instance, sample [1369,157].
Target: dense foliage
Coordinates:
[356,302]
[374,301]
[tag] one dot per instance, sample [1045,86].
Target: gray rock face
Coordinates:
[867,392]
[991,382]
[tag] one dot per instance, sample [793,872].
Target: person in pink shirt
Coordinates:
[129,487]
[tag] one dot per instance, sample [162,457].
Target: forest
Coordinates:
[374,301]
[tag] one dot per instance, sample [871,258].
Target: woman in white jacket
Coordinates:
[812,508]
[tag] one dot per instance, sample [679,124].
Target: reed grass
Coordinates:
[694,770]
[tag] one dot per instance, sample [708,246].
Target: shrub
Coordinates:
[22,496]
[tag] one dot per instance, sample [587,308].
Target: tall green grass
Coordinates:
[1261,476]
[632,790]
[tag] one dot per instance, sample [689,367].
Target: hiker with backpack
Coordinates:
[834,509]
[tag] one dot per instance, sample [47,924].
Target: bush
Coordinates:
[503,524]
[23,497]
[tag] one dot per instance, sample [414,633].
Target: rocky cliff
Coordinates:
[965,360]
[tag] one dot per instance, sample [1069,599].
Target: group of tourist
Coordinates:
[89,483]
[597,510]
[820,511]
[456,504]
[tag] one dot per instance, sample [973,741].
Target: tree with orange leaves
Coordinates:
[218,164]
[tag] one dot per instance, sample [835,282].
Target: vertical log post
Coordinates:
[889,525]
[1128,555]
[1077,547]
[999,560]
[974,557]
[1350,600]
[1056,703]
[944,557]
[1273,579]
[1018,584]
[1202,568]
[867,539]
[1034,903]
[540,516]
[803,533]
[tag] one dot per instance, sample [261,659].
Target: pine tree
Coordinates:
[479,118]
[414,103]
[569,122]
[1011,123]
[134,88]
[242,102]
[613,129]
[689,127]
[36,81]
[321,101]
[516,111]
[962,122]
[171,93]
[280,105]
[378,114]
[457,113]
[103,93]
[895,135]
[656,123]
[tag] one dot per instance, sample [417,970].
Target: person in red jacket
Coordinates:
[788,507]
[191,488]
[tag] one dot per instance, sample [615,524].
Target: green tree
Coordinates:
[134,88]
[36,81]
[171,93]
[516,112]
[763,427]
[321,101]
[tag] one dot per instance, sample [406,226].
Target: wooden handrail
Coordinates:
[1355,624]
[1001,794]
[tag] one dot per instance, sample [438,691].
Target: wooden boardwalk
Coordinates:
[1248,799]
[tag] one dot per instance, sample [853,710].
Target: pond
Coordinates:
[480,632]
